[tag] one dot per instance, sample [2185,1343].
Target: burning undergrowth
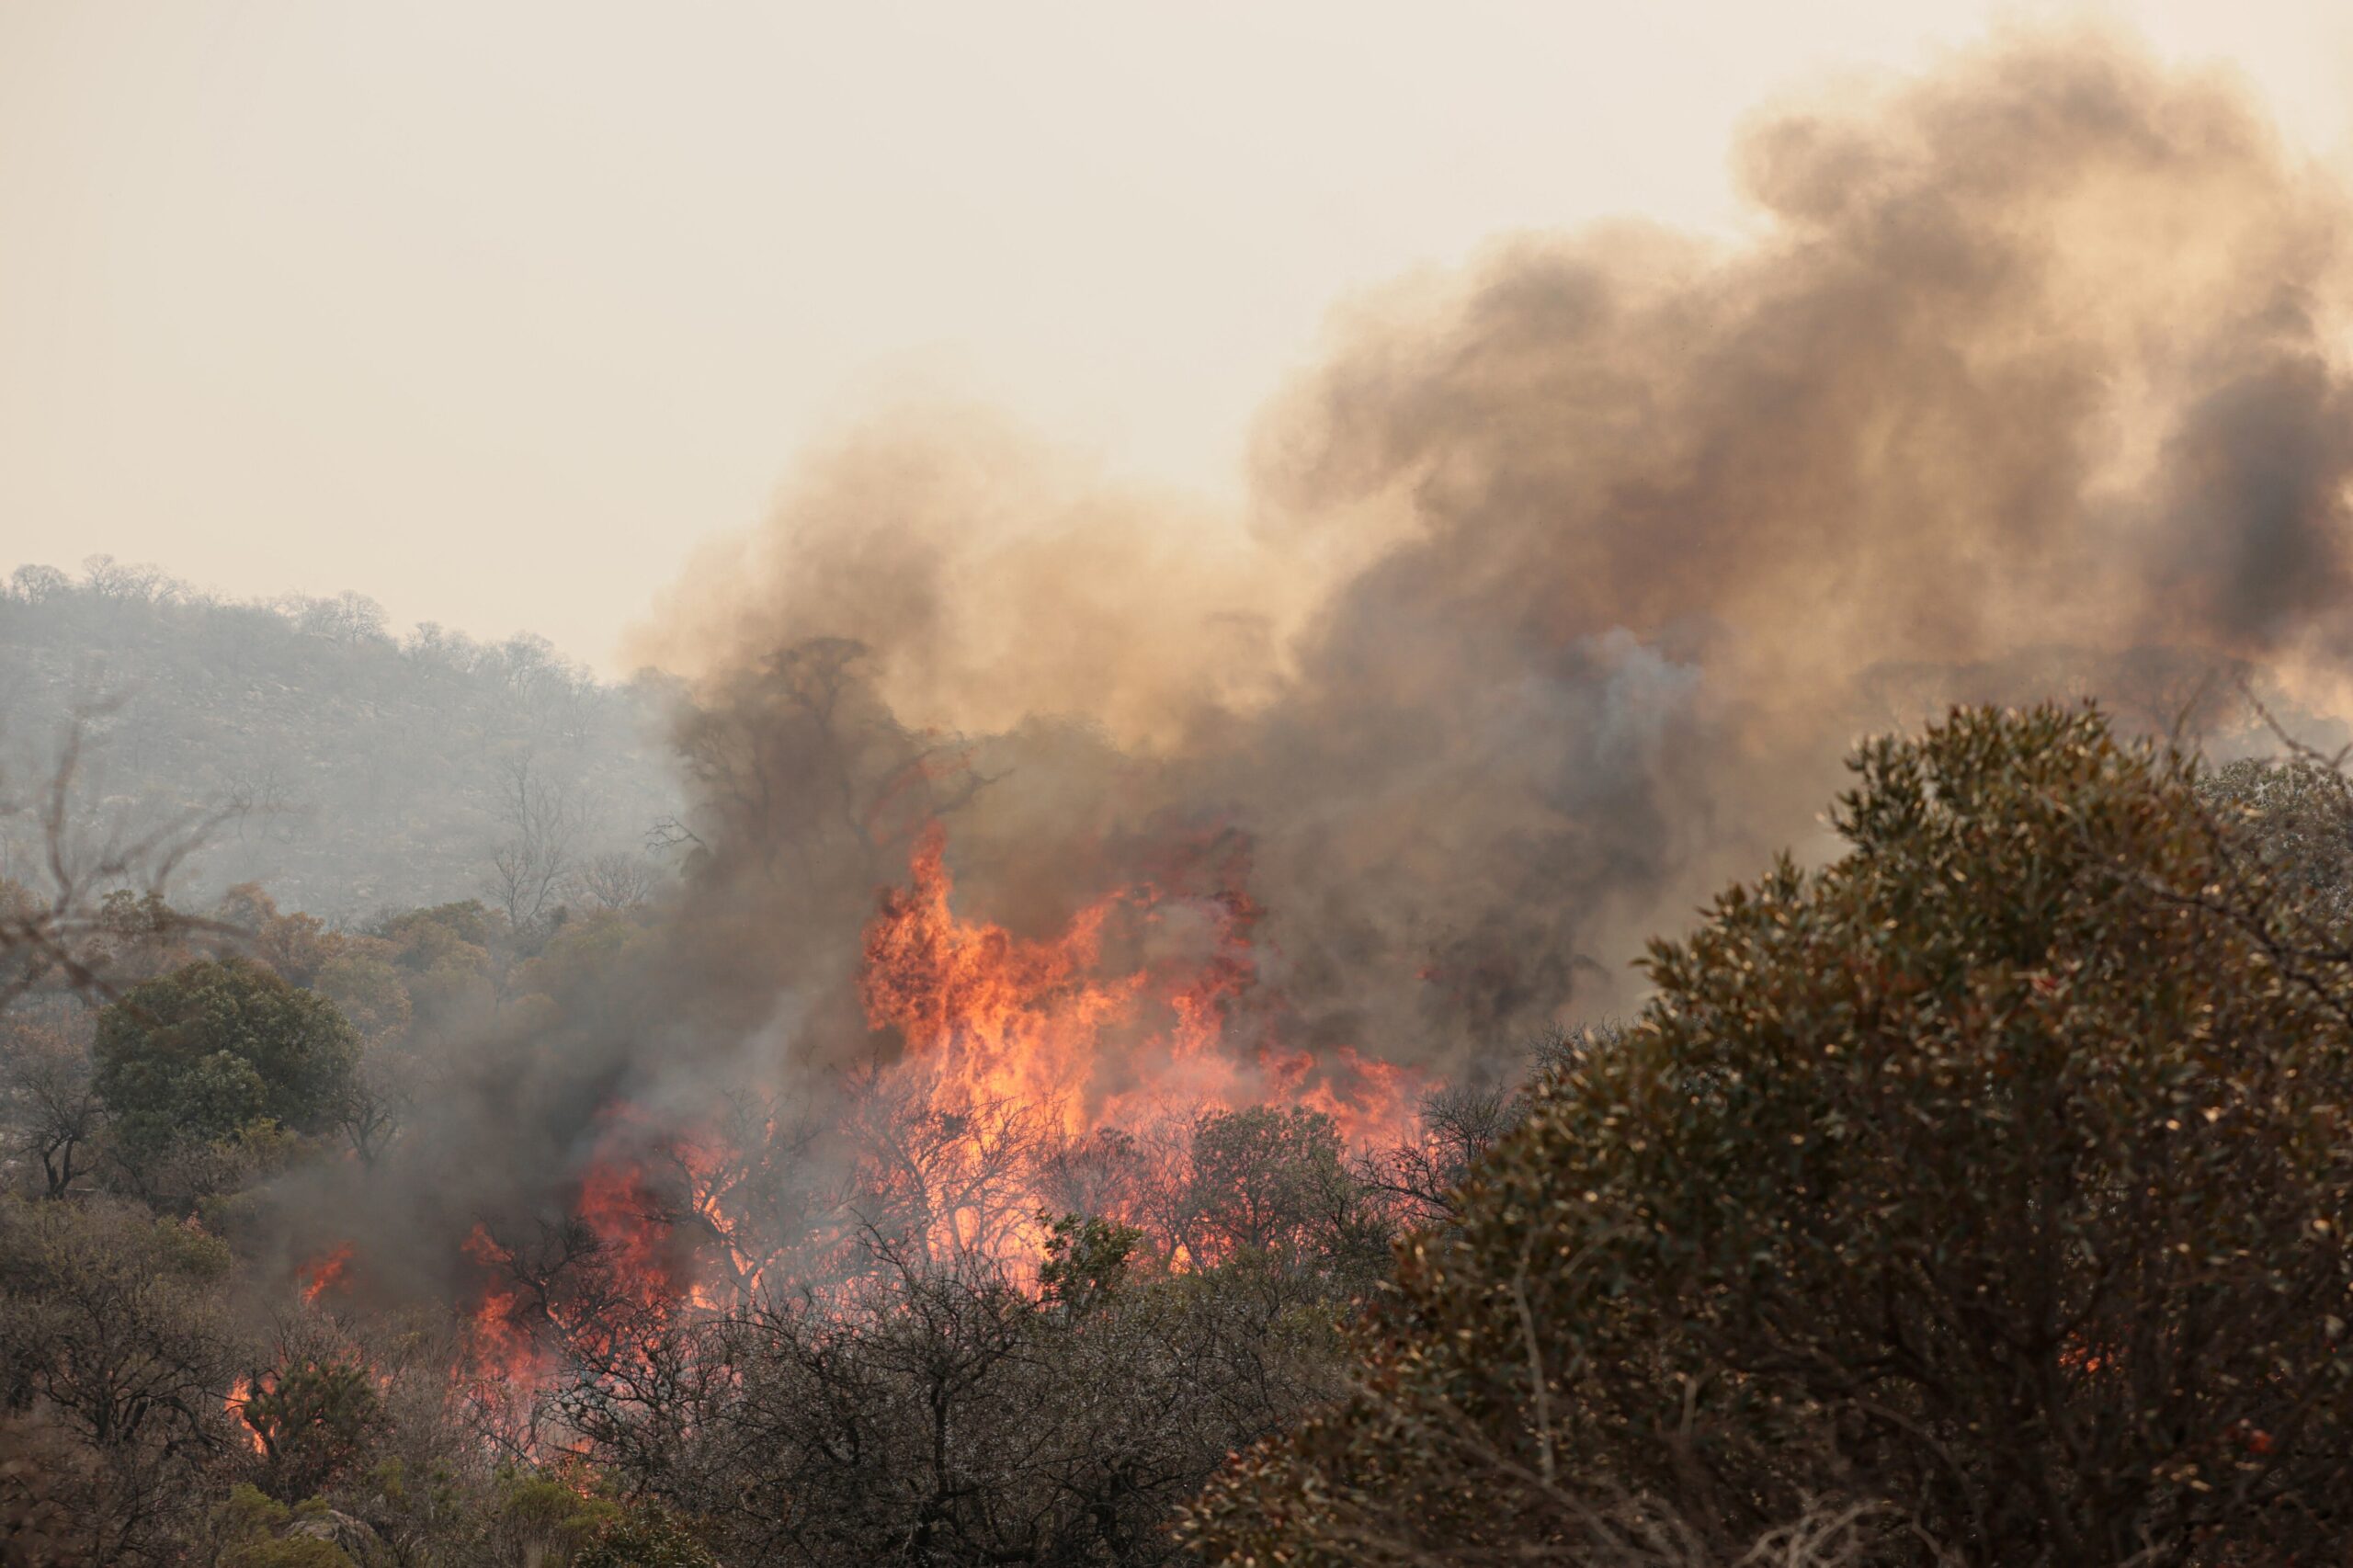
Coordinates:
[1038,822]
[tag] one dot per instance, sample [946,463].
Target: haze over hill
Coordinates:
[351,769]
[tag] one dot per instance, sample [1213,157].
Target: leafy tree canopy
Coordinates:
[1979,1198]
[209,1048]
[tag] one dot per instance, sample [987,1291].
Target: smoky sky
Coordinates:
[1564,581]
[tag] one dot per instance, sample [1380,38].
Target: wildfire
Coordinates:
[325,1272]
[634,1243]
[995,1018]
[240,1393]
[1014,1049]
[1369,1101]
[506,1356]
[623,1271]
[995,1023]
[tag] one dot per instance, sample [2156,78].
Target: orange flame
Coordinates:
[240,1393]
[1011,1043]
[325,1272]
[630,1281]
[999,1018]
[992,1020]
[507,1355]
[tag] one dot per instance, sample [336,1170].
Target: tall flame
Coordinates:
[995,1017]
[240,1392]
[997,1025]
[1014,1047]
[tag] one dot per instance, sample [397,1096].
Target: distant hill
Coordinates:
[354,770]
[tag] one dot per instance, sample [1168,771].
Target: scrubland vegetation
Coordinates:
[1978,1197]
[1083,1027]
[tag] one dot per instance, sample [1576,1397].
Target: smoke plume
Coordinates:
[1564,582]
[1563,585]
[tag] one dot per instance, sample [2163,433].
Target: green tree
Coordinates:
[645,1537]
[2295,818]
[1086,1260]
[249,1524]
[1979,1198]
[370,993]
[425,937]
[202,1052]
[313,1419]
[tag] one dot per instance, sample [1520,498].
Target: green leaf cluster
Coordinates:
[1986,1188]
[212,1048]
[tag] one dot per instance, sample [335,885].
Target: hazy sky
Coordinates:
[491,310]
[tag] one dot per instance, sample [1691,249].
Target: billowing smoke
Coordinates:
[1564,581]
[1562,586]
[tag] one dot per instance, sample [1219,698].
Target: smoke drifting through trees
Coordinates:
[1027,817]
[1564,585]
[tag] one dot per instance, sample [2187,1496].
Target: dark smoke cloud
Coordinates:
[1569,579]
[1563,588]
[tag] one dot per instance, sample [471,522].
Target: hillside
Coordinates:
[351,769]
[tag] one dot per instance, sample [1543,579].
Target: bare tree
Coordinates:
[37,584]
[261,787]
[58,929]
[382,1095]
[1459,1123]
[940,1172]
[49,1100]
[619,878]
[533,862]
[118,582]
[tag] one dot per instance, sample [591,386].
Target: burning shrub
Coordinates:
[313,1419]
[1988,1187]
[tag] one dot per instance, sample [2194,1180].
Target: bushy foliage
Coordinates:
[2293,820]
[1087,1261]
[645,1537]
[939,1417]
[115,1343]
[216,1046]
[312,1420]
[1986,1188]
[253,1532]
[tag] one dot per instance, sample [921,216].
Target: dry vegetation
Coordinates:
[1975,1201]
